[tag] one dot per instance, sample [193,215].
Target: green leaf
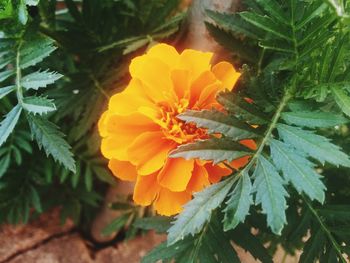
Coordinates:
[239,203]
[51,139]
[39,79]
[116,224]
[233,23]
[164,251]
[313,119]
[241,108]
[6,90]
[271,194]
[313,247]
[9,123]
[38,105]
[35,199]
[267,24]
[198,211]
[274,9]
[219,122]
[4,164]
[158,223]
[6,74]
[298,170]
[342,99]
[314,145]
[35,50]
[216,150]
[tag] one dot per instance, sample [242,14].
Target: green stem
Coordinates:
[19,90]
[325,229]
[99,87]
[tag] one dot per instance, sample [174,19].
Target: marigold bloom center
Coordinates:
[176,129]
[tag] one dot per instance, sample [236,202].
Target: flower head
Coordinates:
[140,127]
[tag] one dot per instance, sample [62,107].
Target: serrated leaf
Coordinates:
[6,74]
[39,79]
[219,122]
[313,247]
[35,50]
[6,90]
[239,203]
[342,99]
[298,170]
[9,123]
[116,224]
[314,145]
[313,119]
[4,164]
[198,211]
[274,9]
[51,139]
[38,105]
[216,150]
[270,193]
[241,108]
[267,24]
[158,223]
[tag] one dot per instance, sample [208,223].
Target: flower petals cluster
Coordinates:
[140,127]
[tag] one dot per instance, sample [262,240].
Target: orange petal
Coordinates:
[102,127]
[181,82]
[112,147]
[129,100]
[225,72]
[131,125]
[170,203]
[146,189]
[195,61]
[241,162]
[165,53]
[155,75]
[123,170]
[198,180]
[149,152]
[176,174]
[249,143]
[216,172]
[205,79]
[208,96]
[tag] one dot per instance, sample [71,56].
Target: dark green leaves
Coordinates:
[9,123]
[198,211]
[342,99]
[271,194]
[214,149]
[314,145]
[51,139]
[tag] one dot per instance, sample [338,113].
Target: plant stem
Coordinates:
[19,90]
[99,87]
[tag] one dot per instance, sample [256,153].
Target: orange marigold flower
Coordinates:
[140,127]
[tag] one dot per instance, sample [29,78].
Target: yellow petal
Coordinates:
[123,170]
[226,73]
[181,81]
[149,152]
[199,179]
[129,100]
[208,96]
[198,85]
[155,76]
[176,174]
[112,147]
[102,127]
[165,53]
[146,189]
[195,61]
[170,203]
